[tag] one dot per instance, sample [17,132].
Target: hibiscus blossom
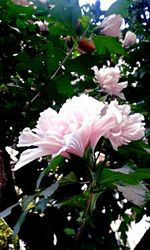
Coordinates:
[108,79]
[111,25]
[66,132]
[80,123]
[129,127]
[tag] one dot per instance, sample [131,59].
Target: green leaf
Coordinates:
[7,211]
[50,190]
[119,7]
[77,200]
[41,205]
[67,13]
[53,58]
[140,174]
[20,11]
[69,231]
[138,148]
[26,201]
[84,21]
[108,177]
[64,86]
[68,179]
[82,64]
[21,219]
[51,167]
[108,44]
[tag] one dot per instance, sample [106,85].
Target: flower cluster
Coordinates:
[111,26]
[108,79]
[80,123]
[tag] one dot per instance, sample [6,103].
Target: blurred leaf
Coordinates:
[66,12]
[137,194]
[26,201]
[20,11]
[119,7]
[69,231]
[7,211]
[53,57]
[54,163]
[82,64]
[42,204]
[109,178]
[84,21]
[68,179]
[47,192]
[77,200]
[139,148]
[108,44]
[21,219]
[64,86]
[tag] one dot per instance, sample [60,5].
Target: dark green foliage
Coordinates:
[41,69]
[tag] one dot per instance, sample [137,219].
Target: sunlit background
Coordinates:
[105,4]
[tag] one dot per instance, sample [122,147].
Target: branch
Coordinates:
[60,66]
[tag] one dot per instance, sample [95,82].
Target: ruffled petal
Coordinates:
[30,155]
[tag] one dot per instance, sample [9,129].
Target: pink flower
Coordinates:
[128,127]
[130,39]
[110,26]
[80,123]
[66,132]
[108,78]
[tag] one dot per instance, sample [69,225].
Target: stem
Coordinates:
[77,236]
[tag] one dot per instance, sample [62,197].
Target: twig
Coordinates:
[60,66]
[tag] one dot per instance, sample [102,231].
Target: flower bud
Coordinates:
[86,45]
[42,26]
[130,39]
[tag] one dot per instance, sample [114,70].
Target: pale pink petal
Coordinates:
[30,155]
[108,79]
[100,129]
[111,25]
[28,138]
[51,143]
[44,122]
[78,141]
[127,128]
[78,109]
